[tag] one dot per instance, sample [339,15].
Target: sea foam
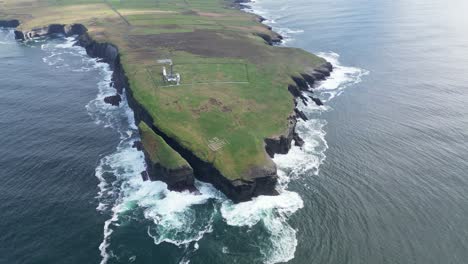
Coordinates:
[8,38]
[183,218]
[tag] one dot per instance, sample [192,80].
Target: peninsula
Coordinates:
[234,107]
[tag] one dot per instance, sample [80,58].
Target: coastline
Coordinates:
[264,179]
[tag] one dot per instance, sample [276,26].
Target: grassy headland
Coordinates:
[158,150]
[234,85]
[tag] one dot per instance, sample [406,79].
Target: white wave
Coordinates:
[69,43]
[53,59]
[251,212]
[100,111]
[107,232]
[7,36]
[308,158]
[288,31]
[341,77]
[273,212]
[177,220]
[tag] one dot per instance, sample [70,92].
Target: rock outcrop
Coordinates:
[163,163]
[271,39]
[178,179]
[113,100]
[9,23]
[281,144]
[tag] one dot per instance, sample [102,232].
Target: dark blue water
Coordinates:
[393,186]
[49,150]
[382,177]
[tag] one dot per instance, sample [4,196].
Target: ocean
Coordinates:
[382,177]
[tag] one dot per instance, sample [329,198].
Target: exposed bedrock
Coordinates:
[271,39]
[75,29]
[113,100]
[178,176]
[177,179]
[300,114]
[39,32]
[317,101]
[138,145]
[262,179]
[282,143]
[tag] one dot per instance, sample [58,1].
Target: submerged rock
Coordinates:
[300,114]
[298,141]
[113,100]
[317,101]
[138,145]
[282,143]
[144,175]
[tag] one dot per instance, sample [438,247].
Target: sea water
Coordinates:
[380,178]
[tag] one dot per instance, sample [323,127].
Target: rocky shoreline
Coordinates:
[281,144]
[264,178]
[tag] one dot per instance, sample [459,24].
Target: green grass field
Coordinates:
[233,86]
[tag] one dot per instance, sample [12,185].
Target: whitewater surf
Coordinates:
[182,218]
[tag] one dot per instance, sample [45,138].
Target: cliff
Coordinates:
[243,168]
[164,163]
[9,23]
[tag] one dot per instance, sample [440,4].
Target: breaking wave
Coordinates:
[183,218]
[273,212]
[8,38]
[342,77]
[308,158]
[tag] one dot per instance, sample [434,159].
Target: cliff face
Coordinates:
[179,179]
[263,179]
[9,23]
[163,163]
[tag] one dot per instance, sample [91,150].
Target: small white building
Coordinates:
[170,76]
